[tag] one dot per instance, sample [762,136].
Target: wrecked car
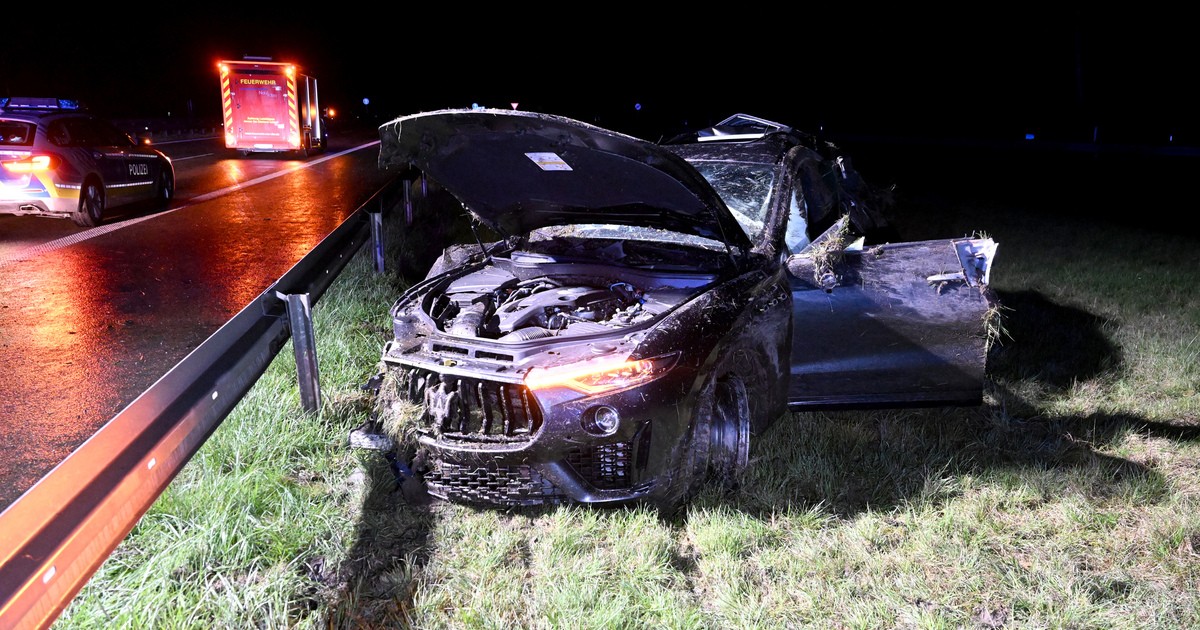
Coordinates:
[647,309]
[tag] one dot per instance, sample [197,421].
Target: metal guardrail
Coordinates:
[57,534]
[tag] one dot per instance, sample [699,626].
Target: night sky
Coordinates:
[1065,74]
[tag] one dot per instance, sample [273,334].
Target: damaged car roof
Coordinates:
[519,171]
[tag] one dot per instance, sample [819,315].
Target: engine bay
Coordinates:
[494,304]
[528,295]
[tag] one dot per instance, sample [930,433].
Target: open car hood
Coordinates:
[518,171]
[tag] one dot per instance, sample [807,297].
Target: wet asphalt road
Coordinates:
[89,319]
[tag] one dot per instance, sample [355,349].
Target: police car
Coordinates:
[58,160]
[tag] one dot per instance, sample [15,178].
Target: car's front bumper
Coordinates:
[490,443]
[587,473]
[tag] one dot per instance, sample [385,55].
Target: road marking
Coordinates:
[67,241]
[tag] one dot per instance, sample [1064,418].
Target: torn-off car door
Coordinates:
[900,324]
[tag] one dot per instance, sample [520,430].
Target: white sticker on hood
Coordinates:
[548,161]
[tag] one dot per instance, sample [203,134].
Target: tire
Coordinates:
[717,447]
[91,204]
[729,436]
[164,190]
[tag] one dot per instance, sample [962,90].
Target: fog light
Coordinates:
[602,420]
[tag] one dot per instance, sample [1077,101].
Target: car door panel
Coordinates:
[107,157]
[121,183]
[142,168]
[893,325]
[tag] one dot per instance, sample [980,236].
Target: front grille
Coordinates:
[604,466]
[469,409]
[495,485]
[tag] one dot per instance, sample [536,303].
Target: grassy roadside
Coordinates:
[1069,500]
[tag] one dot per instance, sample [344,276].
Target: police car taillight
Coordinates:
[31,164]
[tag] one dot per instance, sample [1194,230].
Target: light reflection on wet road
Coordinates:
[88,326]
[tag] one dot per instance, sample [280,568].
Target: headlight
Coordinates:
[599,377]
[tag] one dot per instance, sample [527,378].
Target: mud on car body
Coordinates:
[58,160]
[647,309]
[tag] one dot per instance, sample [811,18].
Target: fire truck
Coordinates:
[270,106]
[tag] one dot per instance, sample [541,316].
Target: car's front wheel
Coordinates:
[717,446]
[729,436]
[164,190]
[91,204]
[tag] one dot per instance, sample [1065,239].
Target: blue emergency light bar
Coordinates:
[35,102]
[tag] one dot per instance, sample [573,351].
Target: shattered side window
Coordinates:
[745,189]
[820,201]
[796,234]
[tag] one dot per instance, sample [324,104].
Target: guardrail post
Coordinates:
[377,236]
[304,345]
[408,207]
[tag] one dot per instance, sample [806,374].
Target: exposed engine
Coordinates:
[494,304]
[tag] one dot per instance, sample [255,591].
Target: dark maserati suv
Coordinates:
[647,309]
